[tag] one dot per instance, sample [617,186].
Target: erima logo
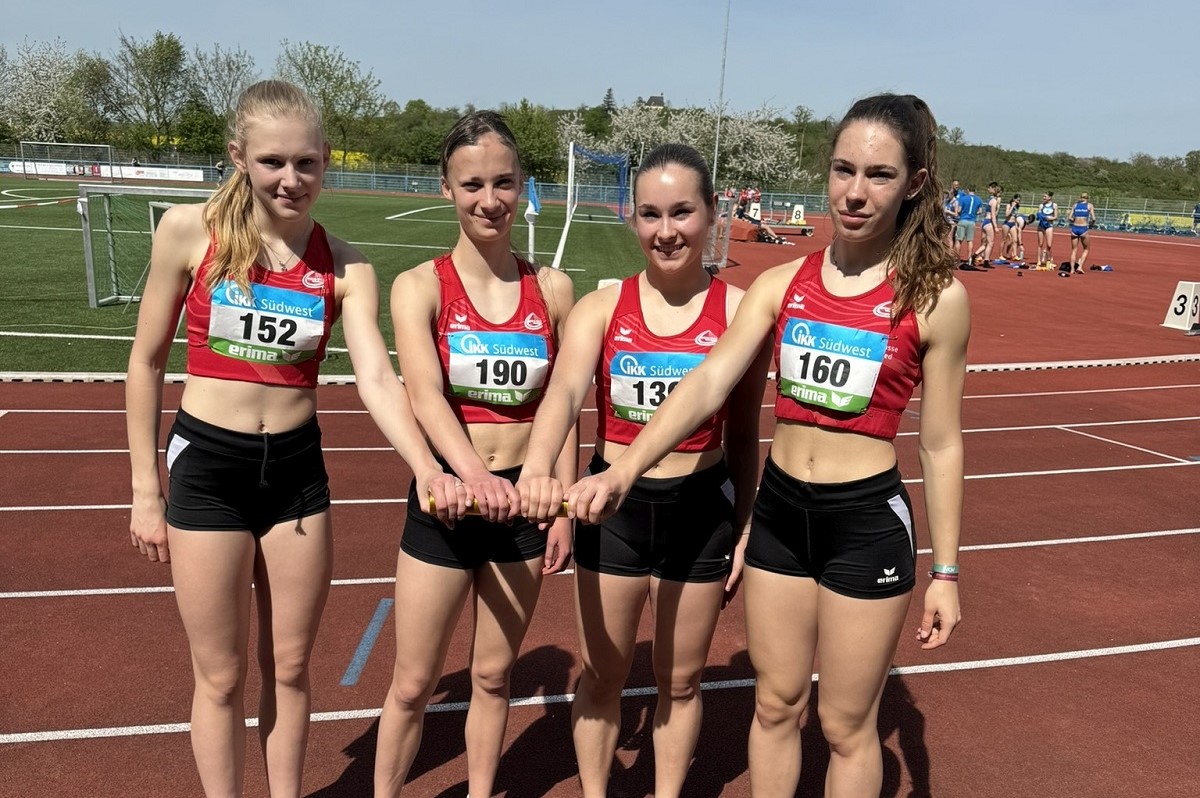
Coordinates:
[797,301]
[520,396]
[290,356]
[706,338]
[313,280]
[532,322]
[839,400]
[883,310]
[460,317]
[889,575]
[625,330]
[623,334]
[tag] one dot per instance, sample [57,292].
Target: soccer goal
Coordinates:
[716,249]
[597,190]
[118,229]
[43,159]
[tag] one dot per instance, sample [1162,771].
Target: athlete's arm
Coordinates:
[940,450]
[560,538]
[742,448]
[380,390]
[570,383]
[180,232]
[416,296]
[695,398]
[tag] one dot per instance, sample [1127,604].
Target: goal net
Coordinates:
[597,189]
[50,159]
[716,249]
[118,228]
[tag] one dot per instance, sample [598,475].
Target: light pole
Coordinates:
[721,95]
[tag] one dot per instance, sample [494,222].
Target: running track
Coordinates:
[1076,671]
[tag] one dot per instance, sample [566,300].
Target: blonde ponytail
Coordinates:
[229,213]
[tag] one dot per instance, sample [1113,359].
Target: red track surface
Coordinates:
[1080,535]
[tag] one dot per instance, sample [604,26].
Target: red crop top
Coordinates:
[840,361]
[277,334]
[638,369]
[492,373]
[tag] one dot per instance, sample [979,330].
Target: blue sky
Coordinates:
[1018,74]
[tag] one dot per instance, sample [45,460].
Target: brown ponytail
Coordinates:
[921,262]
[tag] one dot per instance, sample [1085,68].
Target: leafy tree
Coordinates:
[36,105]
[200,128]
[90,94]
[536,131]
[347,96]
[151,82]
[801,116]
[412,134]
[1192,161]
[570,127]
[637,129]
[756,149]
[220,76]
[597,121]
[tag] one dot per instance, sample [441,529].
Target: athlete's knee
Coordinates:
[221,680]
[846,731]
[411,692]
[773,707]
[287,665]
[602,682]
[492,677]
[677,684]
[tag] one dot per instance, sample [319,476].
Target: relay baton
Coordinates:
[474,508]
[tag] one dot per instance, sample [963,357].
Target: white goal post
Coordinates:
[118,225]
[598,181]
[56,159]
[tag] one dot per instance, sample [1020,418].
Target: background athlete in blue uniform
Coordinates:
[1083,217]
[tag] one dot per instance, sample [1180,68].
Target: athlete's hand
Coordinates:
[596,497]
[496,497]
[450,496]
[541,499]
[734,580]
[558,546]
[942,614]
[148,527]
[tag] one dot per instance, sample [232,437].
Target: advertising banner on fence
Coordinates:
[103,171]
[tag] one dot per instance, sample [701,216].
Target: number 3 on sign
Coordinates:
[1184,311]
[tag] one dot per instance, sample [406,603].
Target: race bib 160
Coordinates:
[830,366]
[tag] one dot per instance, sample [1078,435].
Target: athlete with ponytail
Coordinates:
[248,500]
[830,565]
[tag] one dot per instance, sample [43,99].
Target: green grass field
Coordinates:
[46,324]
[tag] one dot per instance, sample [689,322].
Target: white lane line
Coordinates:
[562,698]
[1126,445]
[1022,428]
[347,379]
[388,580]
[33,508]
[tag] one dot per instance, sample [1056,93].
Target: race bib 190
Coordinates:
[498,368]
[830,366]
[268,325]
[641,381]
